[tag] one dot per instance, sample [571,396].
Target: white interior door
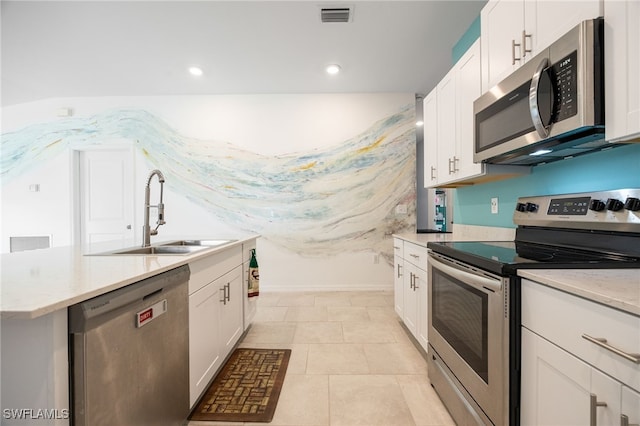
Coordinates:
[106,195]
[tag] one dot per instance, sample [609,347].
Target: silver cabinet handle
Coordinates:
[228,292]
[415,285]
[433,169]
[593,406]
[453,165]
[396,248]
[624,421]
[525,36]
[411,280]
[415,256]
[513,52]
[399,274]
[223,289]
[542,130]
[602,342]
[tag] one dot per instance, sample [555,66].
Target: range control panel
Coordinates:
[617,210]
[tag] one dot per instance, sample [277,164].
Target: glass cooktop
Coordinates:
[505,257]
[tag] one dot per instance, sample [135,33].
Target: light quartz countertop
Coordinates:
[37,282]
[618,288]
[423,239]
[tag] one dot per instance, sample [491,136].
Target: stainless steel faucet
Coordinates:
[147,232]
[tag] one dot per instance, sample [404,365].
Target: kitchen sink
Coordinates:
[169,248]
[196,243]
[165,249]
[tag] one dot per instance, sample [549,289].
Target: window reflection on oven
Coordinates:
[459,314]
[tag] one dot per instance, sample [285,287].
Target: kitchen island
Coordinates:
[37,288]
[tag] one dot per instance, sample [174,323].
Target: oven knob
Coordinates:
[596,205]
[632,204]
[531,207]
[614,205]
[521,207]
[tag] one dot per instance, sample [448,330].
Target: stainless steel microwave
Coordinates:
[550,108]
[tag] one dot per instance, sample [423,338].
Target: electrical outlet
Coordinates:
[401,209]
[494,205]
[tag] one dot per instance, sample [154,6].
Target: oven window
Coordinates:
[459,314]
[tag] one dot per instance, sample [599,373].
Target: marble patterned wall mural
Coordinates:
[341,198]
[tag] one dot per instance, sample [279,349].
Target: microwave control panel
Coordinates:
[564,74]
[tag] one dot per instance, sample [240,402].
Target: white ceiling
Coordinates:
[113,48]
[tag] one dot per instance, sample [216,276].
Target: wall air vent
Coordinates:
[335,14]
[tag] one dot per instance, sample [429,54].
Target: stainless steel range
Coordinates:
[474,294]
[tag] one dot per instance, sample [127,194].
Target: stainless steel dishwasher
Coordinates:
[130,354]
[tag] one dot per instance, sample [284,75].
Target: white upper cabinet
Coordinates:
[502,24]
[430,112]
[449,129]
[622,66]
[513,31]
[468,89]
[447,142]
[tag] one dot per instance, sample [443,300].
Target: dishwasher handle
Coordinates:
[86,314]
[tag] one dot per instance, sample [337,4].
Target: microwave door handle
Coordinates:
[481,283]
[542,130]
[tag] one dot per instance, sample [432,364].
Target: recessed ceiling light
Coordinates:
[195,71]
[333,69]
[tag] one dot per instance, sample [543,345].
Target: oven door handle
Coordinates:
[469,278]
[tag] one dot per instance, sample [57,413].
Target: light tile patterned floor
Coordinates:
[351,364]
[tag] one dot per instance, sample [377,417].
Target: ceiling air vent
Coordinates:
[335,14]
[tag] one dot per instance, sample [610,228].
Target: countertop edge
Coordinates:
[583,284]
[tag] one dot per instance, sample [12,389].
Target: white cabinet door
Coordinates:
[630,407]
[502,22]
[422,321]
[398,278]
[555,386]
[546,21]
[468,89]
[410,298]
[622,64]
[446,127]
[231,301]
[204,339]
[559,389]
[430,112]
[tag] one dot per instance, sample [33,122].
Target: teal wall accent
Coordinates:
[616,168]
[467,39]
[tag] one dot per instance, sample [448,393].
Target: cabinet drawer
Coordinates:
[398,247]
[207,269]
[416,254]
[564,319]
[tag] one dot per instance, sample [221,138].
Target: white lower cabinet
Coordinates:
[567,379]
[204,339]
[410,288]
[560,389]
[216,320]
[398,277]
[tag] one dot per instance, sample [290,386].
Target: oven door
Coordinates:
[469,331]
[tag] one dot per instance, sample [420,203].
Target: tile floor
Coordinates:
[351,364]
